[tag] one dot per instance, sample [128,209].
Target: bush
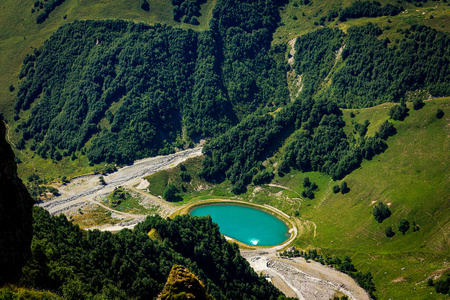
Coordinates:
[398,112]
[170,193]
[306,182]
[283,168]
[144,5]
[336,189]
[439,113]
[238,187]
[381,212]
[262,177]
[194,21]
[185,176]
[344,187]
[442,286]
[403,226]
[308,193]
[418,104]
[11,88]
[386,130]
[389,232]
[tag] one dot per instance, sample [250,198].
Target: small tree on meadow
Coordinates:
[398,112]
[144,5]
[403,226]
[336,189]
[306,182]
[418,104]
[389,232]
[381,212]
[386,130]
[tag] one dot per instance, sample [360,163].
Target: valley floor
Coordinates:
[86,190]
[294,277]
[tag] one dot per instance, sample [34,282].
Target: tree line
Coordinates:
[361,9]
[48,8]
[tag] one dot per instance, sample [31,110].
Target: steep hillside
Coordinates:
[411,177]
[15,216]
[20,33]
[131,265]
[119,91]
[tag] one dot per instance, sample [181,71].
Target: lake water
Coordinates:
[247,225]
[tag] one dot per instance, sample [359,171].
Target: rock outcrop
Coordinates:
[15,216]
[182,284]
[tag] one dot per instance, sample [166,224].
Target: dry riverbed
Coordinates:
[304,280]
[85,190]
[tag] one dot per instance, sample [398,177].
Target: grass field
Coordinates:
[412,176]
[187,189]
[129,203]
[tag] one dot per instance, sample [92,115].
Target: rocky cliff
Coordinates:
[15,215]
[182,284]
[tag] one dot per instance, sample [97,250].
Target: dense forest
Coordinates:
[118,91]
[129,89]
[129,264]
[317,142]
[373,70]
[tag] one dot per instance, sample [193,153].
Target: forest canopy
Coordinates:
[130,264]
[121,91]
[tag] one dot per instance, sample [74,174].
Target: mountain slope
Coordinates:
[130,264]
[121,91]
[15,216]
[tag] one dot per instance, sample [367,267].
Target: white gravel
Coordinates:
[78,191]
[311,281]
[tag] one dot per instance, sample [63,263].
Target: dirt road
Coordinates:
[79,191]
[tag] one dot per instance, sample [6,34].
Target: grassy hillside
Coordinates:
[187,185]
[20,33]
[412,177]
[299,19]
[14,292]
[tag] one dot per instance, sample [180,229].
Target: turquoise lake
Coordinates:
[244,224]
